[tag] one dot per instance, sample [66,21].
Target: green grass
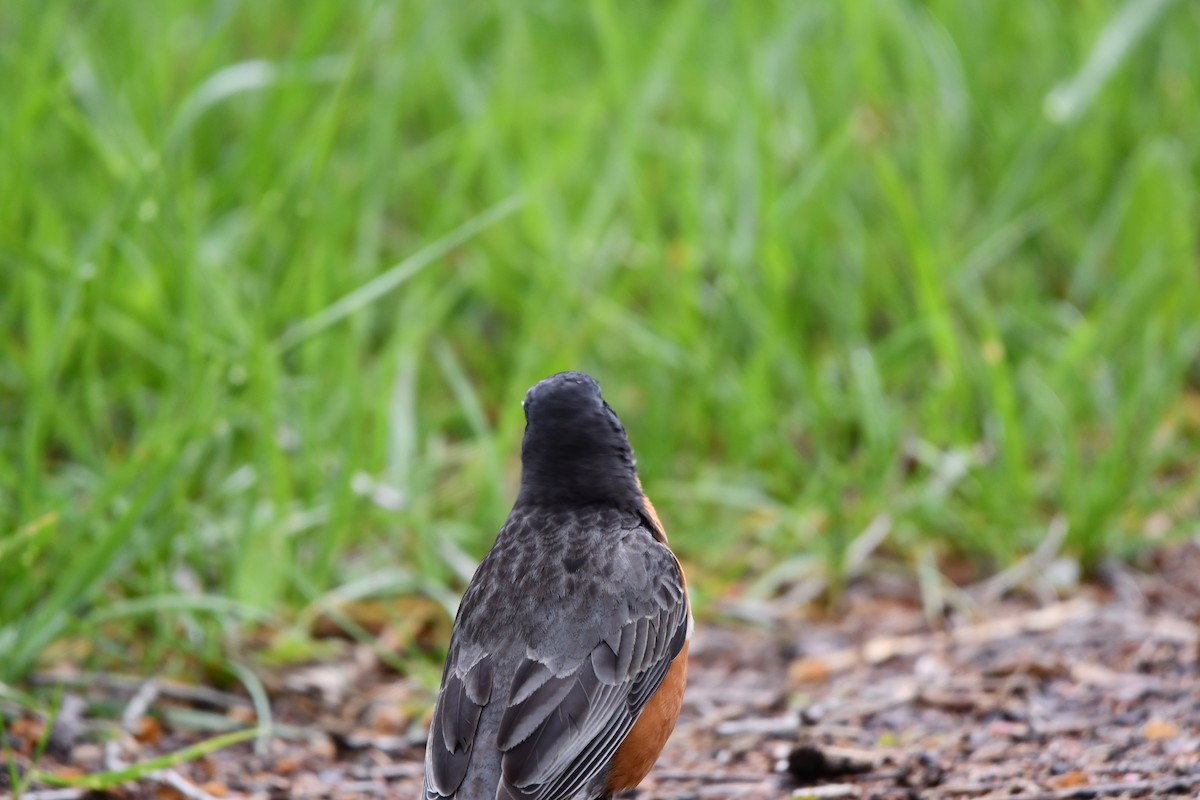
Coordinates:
[275,277]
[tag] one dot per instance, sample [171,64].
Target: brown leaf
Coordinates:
[813,669]
[149,730]
[287,765]
[1070,780]
[27,732]
[1158,729]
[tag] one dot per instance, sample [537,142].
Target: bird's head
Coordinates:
[575,450]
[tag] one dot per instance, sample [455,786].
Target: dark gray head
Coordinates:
[575,450]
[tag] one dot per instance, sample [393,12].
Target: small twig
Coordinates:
[734,696]
[711,777]
[956,789]
[828,791]
[112,756]
[181,785]
[125,683]
[956,702]
[401,769]
[134,710]
[138,705]
[988,591]
[67,793]
[760,726]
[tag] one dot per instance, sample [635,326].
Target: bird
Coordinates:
[567,661]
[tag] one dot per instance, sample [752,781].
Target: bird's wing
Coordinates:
[562,723]
[566,714]
[466,689]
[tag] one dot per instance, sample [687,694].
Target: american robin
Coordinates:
[568,659]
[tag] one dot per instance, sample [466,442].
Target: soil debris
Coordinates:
[1093,696]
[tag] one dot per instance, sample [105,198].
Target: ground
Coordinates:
[1088,695]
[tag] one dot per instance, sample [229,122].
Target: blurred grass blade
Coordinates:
[262,705]
[224,607]
[250,76]
[395,276]
[102,781]
[1066,101]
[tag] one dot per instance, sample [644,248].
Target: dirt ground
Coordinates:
[1091,695]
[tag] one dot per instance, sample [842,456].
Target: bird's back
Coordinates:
[555,585]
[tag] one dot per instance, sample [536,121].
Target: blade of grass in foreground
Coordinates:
[108,780]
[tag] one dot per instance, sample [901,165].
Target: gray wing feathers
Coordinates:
[535,705]
[571,698]
[559,735]
[455,720]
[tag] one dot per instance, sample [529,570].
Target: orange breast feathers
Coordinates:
[641,748]
[646,740]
